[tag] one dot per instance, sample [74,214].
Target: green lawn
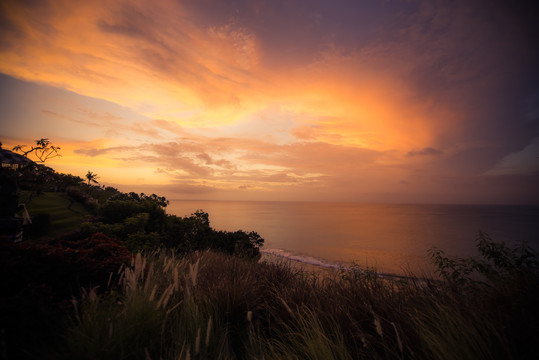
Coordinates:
[63,217]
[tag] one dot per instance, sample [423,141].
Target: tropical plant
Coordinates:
[92,178]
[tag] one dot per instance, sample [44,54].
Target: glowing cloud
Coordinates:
[245,99]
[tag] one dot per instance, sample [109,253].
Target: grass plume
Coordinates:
[210,305]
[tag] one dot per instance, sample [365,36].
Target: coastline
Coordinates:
[309,268]
[325,270]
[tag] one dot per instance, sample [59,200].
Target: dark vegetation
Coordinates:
[138,221]
[80,234]
[122,279]
[42,150]
[211,305]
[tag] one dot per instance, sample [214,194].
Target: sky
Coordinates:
[408,101]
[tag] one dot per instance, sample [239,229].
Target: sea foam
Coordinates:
[306,259]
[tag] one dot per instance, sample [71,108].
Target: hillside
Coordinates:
[62,213]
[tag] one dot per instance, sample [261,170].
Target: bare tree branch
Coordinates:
[42,150]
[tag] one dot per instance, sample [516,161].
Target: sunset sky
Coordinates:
[374,101]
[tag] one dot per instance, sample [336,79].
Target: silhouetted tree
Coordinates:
[43,150]
[92,178]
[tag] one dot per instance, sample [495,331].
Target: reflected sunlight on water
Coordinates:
[391,238]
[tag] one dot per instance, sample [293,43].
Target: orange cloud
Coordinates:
[196,76]
[225,102]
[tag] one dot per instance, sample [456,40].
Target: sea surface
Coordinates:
[391,239]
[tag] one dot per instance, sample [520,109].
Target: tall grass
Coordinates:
[214,306]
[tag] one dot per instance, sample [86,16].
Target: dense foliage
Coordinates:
[39,280]
[138,220]
[41,275]
[215,306]
[142,224]
[192,292]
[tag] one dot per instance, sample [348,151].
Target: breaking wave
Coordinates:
[306,259]
[303,258]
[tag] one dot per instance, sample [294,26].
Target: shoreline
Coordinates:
[306,267]
[329,269]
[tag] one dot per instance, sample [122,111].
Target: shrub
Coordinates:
[40,279]
[496,263]
[142,242]
[79,195]
[502,280]
[194,233]
[115,211]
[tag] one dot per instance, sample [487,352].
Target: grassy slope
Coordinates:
[63,217]
[214,306]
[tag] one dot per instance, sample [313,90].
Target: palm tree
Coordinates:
[92,178]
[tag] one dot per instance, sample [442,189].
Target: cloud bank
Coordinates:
[263,99]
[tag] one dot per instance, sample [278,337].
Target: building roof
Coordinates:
[9,157]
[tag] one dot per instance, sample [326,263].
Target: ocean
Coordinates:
[387,238]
